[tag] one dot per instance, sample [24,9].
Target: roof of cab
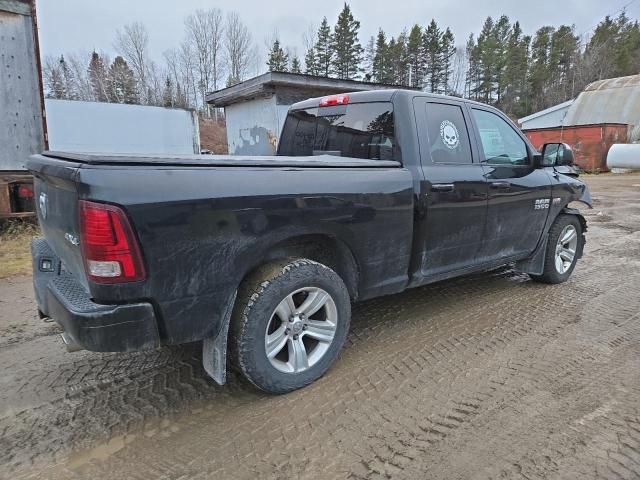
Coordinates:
[380,96]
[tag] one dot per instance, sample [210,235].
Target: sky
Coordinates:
[85,25]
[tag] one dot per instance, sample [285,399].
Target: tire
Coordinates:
[264,313]
[553,273]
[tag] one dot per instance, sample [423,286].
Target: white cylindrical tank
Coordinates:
[623,155]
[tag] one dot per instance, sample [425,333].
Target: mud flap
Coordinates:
[214,349]
[534,265]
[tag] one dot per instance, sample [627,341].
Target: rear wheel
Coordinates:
[290,321]
[564,247]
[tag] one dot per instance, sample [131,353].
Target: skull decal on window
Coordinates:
[449,134]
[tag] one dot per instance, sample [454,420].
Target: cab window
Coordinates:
[500,143]
[448,135]
[360,130]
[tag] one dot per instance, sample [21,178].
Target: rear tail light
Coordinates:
[25,191]
[109,246]
[334,100]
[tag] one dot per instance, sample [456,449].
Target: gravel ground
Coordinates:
[487,376]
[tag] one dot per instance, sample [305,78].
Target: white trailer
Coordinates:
[94,127]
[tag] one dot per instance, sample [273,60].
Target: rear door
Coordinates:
[449,234]
[519,194]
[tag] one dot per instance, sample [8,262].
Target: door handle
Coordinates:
[500,185]
[442,187]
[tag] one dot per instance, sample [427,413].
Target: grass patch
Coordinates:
[15,242]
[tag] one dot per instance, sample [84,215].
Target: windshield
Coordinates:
[360,130]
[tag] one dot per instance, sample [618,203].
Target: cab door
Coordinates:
[450,227]
[519,194]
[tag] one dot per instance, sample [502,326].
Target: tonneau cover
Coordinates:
[320,161]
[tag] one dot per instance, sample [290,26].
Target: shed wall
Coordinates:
[590,143]
[253,127]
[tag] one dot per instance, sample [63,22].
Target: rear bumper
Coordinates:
[91,326]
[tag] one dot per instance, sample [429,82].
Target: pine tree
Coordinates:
[472,80]
[627,57]
[432,45]
[515,98]
[168,98]
[278,60]
[347,48]
[324,49]
[613,50]
[311,66]
[500,37]
[487,55]
[69,89]
[415,56]
[447,51]
[391,75]
[97,73]
[122,83]
[181,99]
[400,59]
[295,65]
[55,82]
[369,57]
[539,71]
[565,49]
[380,68]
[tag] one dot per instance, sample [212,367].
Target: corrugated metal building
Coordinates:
[255,109]
[606,112]
[549,118]
[616,100]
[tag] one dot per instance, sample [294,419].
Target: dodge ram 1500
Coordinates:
[371,193]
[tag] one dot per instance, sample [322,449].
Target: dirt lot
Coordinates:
[489,376]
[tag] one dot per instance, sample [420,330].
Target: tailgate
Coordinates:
[56,200]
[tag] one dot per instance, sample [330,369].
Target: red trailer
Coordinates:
[590,143]
[22,118]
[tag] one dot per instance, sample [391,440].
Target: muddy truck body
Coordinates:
[371,193]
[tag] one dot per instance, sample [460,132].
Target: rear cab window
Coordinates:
[356,130]
[448,135]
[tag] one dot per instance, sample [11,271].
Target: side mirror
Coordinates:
[556,155]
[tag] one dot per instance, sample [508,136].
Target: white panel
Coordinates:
[94,127]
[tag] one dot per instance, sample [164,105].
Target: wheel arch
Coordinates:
[325,249]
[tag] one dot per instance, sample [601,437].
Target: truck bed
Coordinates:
[204,222]
[320,161]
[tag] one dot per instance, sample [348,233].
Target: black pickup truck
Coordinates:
[371,193]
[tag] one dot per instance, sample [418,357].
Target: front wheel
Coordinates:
[564,247]
[290,321]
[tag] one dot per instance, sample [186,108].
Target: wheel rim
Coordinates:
[301,330]
[566,249]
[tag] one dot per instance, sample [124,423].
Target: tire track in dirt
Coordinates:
[487,376]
